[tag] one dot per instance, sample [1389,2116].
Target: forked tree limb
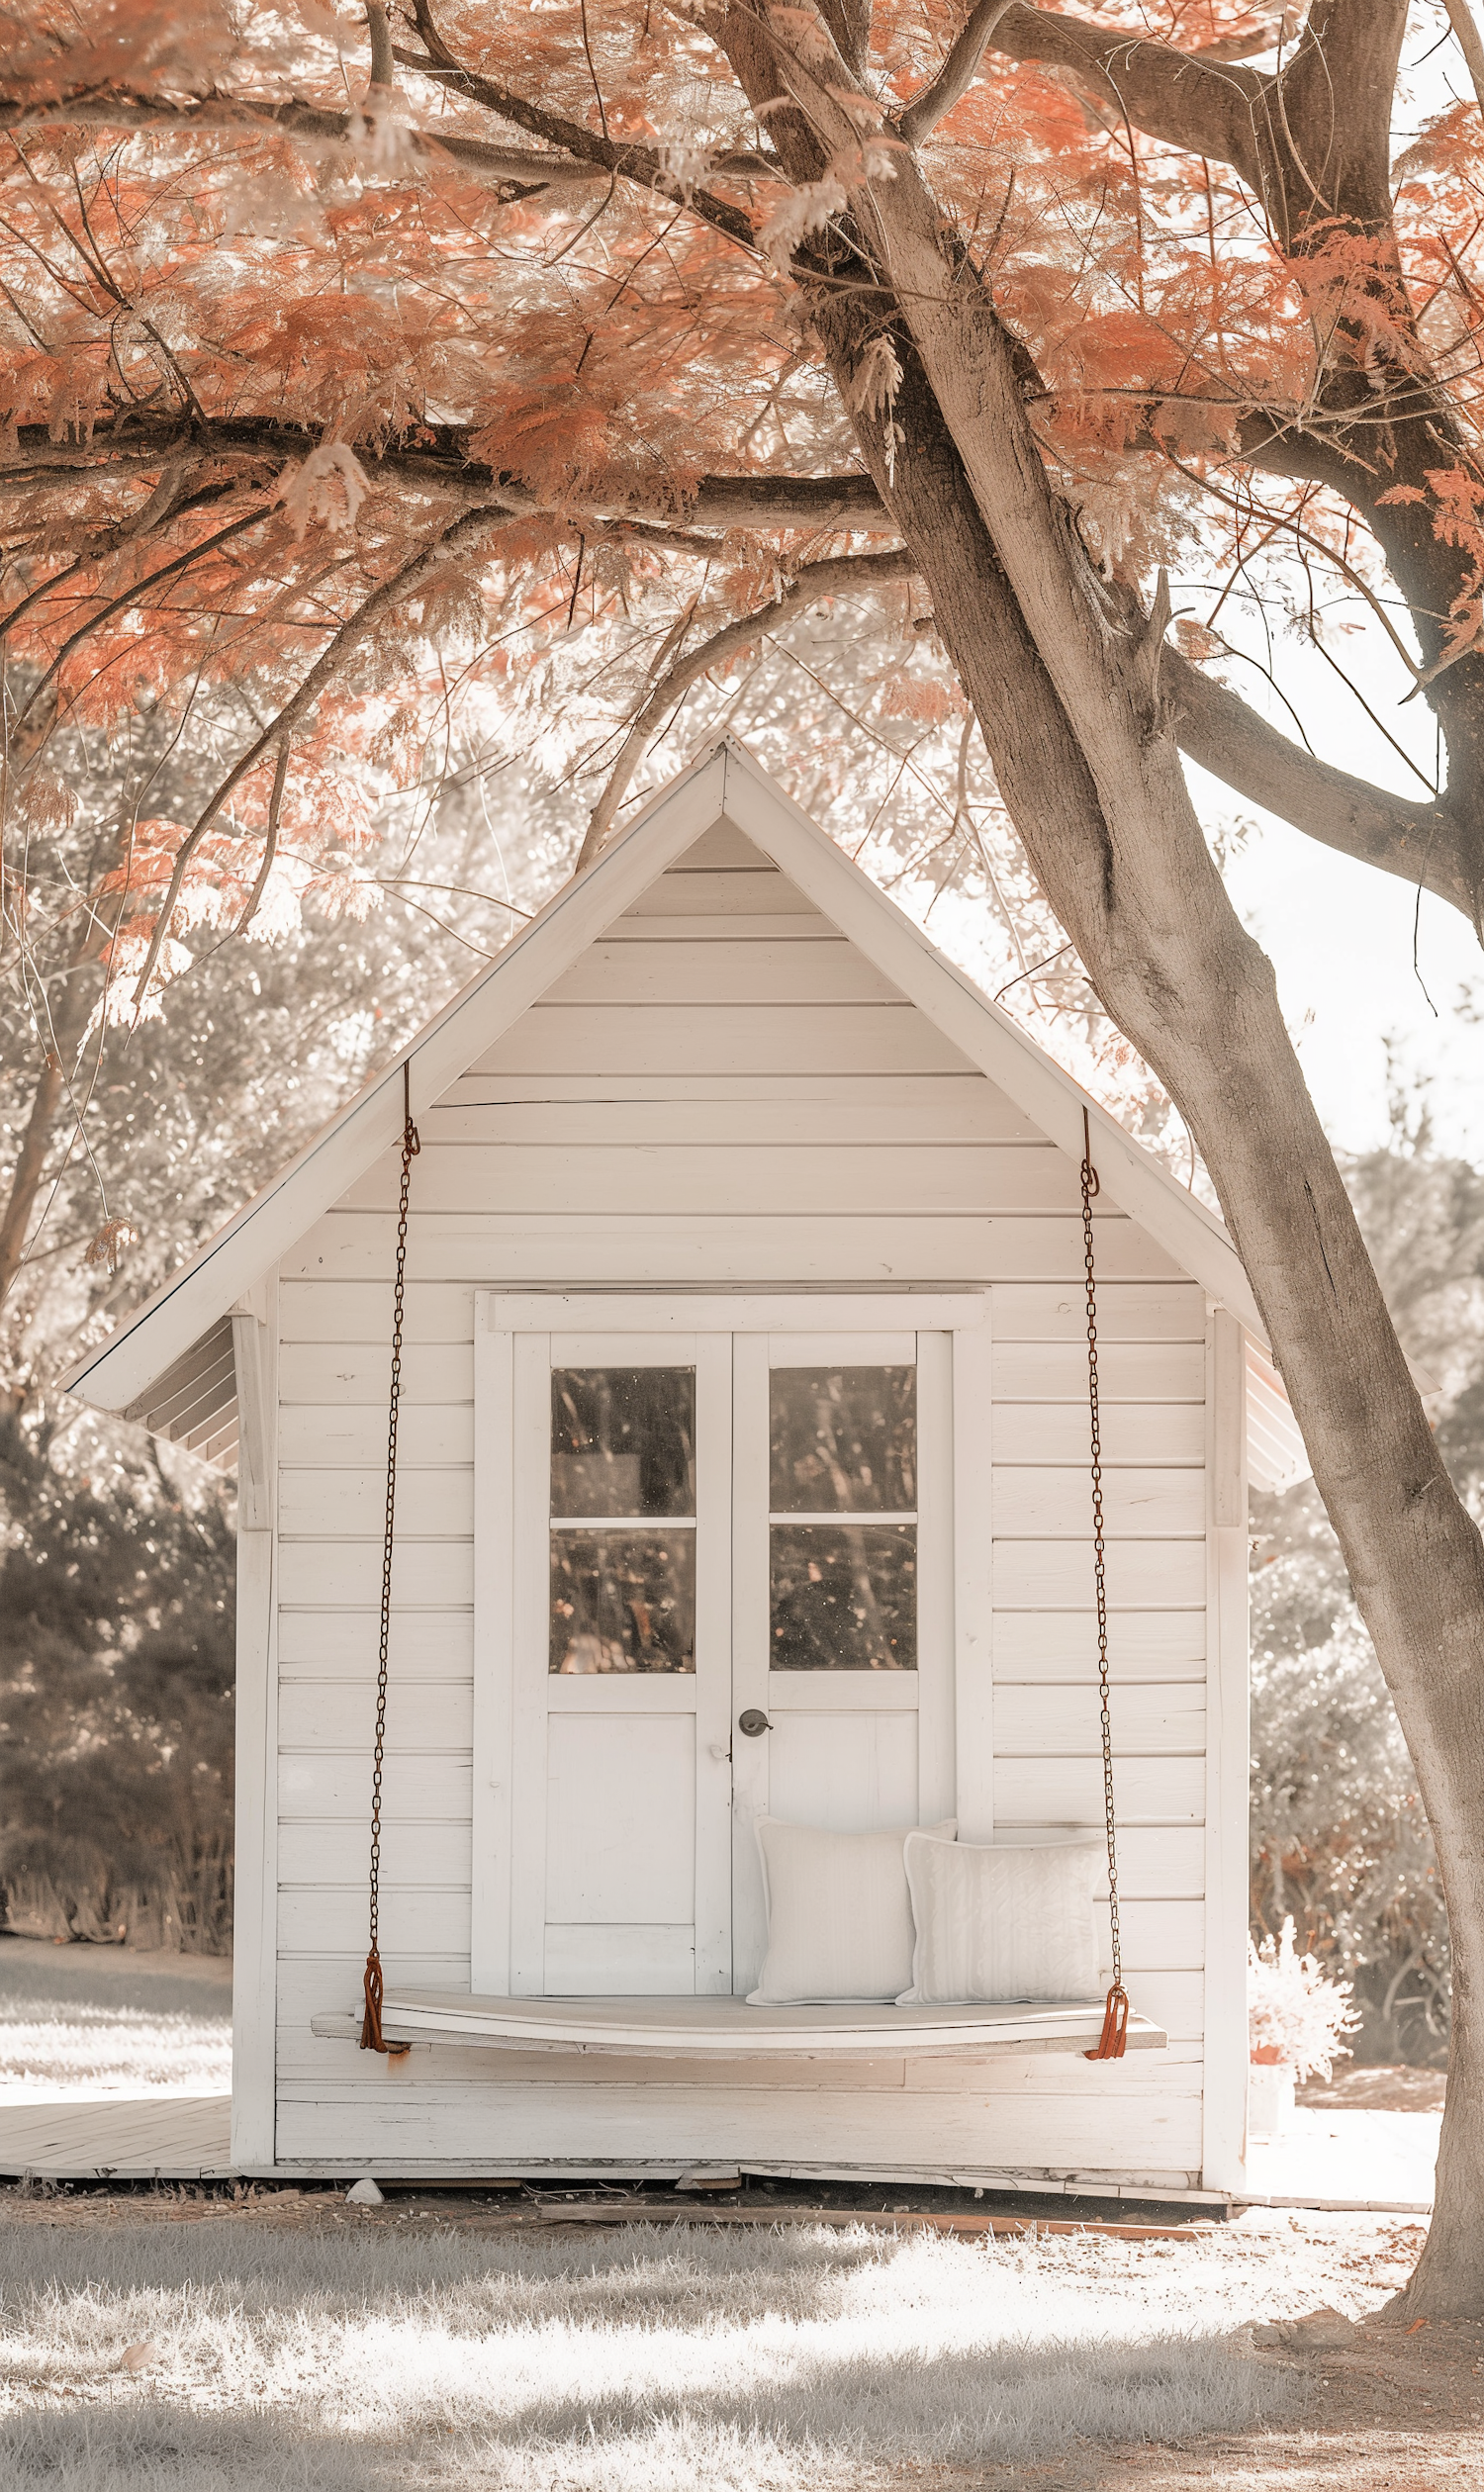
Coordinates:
[820,580]
[956,75]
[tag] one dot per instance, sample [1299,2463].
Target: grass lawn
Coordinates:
[111,2020]
[294,2342]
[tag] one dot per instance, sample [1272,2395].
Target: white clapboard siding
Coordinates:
[1087,2133]
[346,1574]
[327,1853]
[421,1920]
[804,925]
[1057,1503]
[337,1784]
[420,1715]
[830,972]
[764,1249]
[1047,1645]
[933,1108]
[758,891]
[336,1314]
[1041,1311]
[353,1435]
[342,1644]
[1127,1372]
[710,1178]
[1068,1791]
[1160,1937]
[1059,1574]
[353,1372]
[432,1504]
[1168,1432]
[716,1037]
[1065,1722]
[1159,1863]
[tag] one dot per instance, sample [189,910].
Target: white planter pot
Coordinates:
[1270,2097]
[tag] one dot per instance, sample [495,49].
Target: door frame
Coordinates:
[504,1323]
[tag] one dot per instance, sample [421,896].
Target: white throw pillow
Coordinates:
[839,1915]
[1000,1921]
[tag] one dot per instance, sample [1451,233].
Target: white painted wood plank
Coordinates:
[799,924]
[726,1176]
[947,1108]
[341,1644]
[330,1853]
[1163,1433]
[350,1374]
[1068,1791]
[761,890]
[721,1037]
[1161,1864]
[530,1596]
[323,1309]
[427,1789]
[492,1723]
[422,1716]
[1063,1721]
[353,1436]
[346,1574]
[1056,1503]
[677,1086]
[830,972]
[254,1935]
[1041,1310]
[751,1758]
[1227,1787]
[1058,1574]
[722,848]
[713,1667]
[1159,1937]
[974,1639]
[349,2127]
[1048,1645]
[604,1251]
[416,1922]
[343,1504]
[1127,1372]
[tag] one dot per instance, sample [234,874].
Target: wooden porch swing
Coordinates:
[727,2028]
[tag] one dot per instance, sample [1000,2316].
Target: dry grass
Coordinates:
[364,2356]
[107,2020]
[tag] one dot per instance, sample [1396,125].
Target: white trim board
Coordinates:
[725,785]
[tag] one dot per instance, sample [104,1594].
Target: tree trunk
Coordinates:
[68,1023]
[1120,855]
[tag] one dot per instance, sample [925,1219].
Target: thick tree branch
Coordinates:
[438,462]
[955,76]
[820,580]
[1221,731]
[518,166]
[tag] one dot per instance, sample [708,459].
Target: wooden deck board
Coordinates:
[96,2137]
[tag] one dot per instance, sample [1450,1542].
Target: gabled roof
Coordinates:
[126,1372]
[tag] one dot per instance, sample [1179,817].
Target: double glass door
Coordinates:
[730,1594]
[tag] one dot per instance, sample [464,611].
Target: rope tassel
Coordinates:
[1114,2038]
[372,2037]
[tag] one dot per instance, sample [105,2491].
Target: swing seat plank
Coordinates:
[730,2029]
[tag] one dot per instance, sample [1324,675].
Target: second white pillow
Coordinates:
[1001,1922]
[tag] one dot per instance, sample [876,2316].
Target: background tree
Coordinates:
[309,389]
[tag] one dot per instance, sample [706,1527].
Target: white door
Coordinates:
[719,1582]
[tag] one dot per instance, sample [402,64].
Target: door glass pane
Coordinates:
[622,1600]
[623,1441]
[844,1441]
[844,1597]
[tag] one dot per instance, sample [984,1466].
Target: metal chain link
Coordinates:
[1115,2018]
[371,2033]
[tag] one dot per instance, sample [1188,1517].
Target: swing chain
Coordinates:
[371,2033]
[1113,2039]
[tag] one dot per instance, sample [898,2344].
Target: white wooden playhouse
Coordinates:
[720,1145]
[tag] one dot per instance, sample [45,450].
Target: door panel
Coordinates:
[852,1772]
[620,1819]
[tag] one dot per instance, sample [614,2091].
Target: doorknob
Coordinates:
[752,1723]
